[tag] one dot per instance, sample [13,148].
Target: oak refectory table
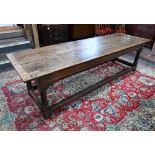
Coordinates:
[49,64]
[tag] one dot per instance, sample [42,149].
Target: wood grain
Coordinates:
[53,59]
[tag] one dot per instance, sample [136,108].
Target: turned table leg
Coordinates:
[136,58]
[42,87]
[43,102]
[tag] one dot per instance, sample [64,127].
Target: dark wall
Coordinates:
[142,30]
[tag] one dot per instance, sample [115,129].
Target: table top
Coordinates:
[32,64]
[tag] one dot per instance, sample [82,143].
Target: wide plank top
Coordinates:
[32,64]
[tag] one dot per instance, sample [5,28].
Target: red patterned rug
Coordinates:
[124,104]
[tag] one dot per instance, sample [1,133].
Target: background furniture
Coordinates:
[81,31]
[52,33]
[57,33]
[142,30]
[103,29]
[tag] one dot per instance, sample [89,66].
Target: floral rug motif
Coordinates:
[127,103]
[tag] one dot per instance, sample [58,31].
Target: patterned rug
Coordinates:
[127,103]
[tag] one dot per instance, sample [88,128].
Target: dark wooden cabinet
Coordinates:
[52,34]
[81,31]
[57,33]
